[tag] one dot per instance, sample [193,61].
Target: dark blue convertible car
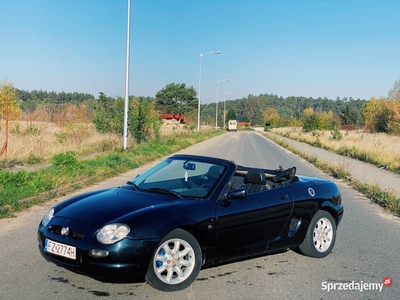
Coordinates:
[188,212]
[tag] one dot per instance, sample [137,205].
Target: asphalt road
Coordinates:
[365,253]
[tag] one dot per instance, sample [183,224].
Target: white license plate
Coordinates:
[59,249]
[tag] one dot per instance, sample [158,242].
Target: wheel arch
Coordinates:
[328,207]
[198,236]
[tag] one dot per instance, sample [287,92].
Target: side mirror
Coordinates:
[237,194]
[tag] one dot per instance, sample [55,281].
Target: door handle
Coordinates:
[283,197]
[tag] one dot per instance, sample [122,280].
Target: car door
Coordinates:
[246,225]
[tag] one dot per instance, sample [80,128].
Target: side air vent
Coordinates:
[294,224]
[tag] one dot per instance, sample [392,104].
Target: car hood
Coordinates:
[109,205]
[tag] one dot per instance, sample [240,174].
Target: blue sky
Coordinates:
[319,48]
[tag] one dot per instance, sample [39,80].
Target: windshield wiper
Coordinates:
[133,185]
[164,191]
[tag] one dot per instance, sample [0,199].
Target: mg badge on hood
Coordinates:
[65,231]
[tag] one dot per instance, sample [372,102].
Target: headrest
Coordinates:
[255,176]
[214,172]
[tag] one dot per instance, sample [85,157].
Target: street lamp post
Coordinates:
[126,104]
[198,105]
[224,103]
[216,107]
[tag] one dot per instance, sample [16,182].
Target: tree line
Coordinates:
[177,98]
[255,109]
[106,113]
[30,100]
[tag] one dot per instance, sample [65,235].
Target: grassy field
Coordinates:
[32,142]
[380,149]
[364,146]
[78,156]
[35,142]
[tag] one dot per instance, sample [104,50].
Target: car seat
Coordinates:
[255,181]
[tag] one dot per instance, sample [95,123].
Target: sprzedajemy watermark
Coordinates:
[356,286]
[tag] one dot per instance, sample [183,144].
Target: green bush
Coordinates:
[16,129]
[311,123]
[65,160]
[336,135]
[32,130]
[15,179]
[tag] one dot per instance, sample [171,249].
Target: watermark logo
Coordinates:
[356,285]
[387,281]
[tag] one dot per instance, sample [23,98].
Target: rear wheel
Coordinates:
[320,237]
[176,262]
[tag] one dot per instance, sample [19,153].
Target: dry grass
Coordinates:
[377,148]
[42,140]
[172,127]
[32,141]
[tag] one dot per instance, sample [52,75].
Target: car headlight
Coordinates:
[48,216]
[112,233]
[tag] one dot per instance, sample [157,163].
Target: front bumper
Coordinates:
[127,260]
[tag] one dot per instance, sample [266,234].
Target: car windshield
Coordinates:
[180,178]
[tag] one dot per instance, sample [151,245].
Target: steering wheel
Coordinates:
[288,174]
[206,186]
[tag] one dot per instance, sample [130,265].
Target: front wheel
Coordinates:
[320,237]
[176,262]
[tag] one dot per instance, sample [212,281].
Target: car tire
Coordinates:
[320,237]
[176,262]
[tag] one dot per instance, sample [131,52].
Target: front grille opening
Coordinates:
[72,233]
